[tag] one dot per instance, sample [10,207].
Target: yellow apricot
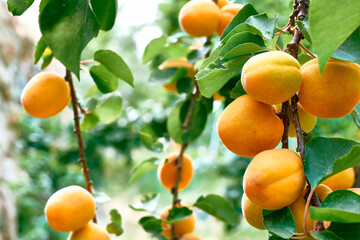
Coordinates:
[190,236]
[91,231]
[167,172]
[218,97]
[182,227]
[199,18]
[307,120]
[252,213]
[70,209]
[45,95]
[222,3]
[227,13]
[247,127]
[274,179]
[341,180]
[355,190]
[335,93]
[271,77]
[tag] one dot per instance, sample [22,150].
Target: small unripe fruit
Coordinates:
[91,231]
[182,227]
[252,213]
[341,180]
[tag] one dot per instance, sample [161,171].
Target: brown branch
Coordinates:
[82,159]
[285,118]
[300,133]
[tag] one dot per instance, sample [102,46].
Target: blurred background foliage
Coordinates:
[46,150]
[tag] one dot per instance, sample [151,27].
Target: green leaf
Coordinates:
[237,91]
[115,64]
[329,31]
[109,108]
[40,48]
[18,7]
[185,85]
[105,12]
[151,225]
[325,235]
[218,207]
[356,115]
[150,143]
[89,122]
[346,231]
[177,118]
[67,26]
[154,48]
[326,157]
[115,226]
[350,49]
[47,58]
[338,206]
[243,27]
[143,168]
[265,24]
[304,28]
[247,11]
[177,214]
[101,197]
[148,203]
[280,222]
[167,75]
[105,81]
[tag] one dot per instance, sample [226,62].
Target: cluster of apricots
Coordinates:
[71,209]
[167,172]
[249,127]
[45,95]
[203,18]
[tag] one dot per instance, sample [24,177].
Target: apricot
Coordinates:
[247,127]
[70,209]
[271,77]
[341,180]
[355,190]
[335,93]
[199,18]
[182,227]
[222,3]
[252,213]
[307,120]
[91,231]
[218,97]
[227,13]
[274,179]
[298,208]
[45,95]
[190,236]
[168,169]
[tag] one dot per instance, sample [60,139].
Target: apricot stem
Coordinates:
[285,118]
[306,50]
[86,61]
[82,159]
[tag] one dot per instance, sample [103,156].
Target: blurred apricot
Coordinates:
[342,180]
[91,231]
[45,95]
[222,3]
[243,130]
[218,97]
[190,236]
[182,227]
[167,172]
[274,179]
[335,93]
[70,209]
[227,13]
[252,213]
[271,77]
[199,18]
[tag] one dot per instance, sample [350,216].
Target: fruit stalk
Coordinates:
[284,114]
[82,159]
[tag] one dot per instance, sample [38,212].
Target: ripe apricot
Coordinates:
[70,209]
[252,213]
[45,95]
[297,208]
[274,179]
[247,127]
[307,120]
[190,236]
[91,231]
[335,93]
[182,227]
[271,77]
[167,172]
[222,3]
[342,180]
[227,13]
[218,97]
[199,18]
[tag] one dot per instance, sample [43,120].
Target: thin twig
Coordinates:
[86,61]
[285,118]
[82,159]
[307,50]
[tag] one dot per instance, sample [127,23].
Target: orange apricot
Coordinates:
[190,236]
[247,127]
[342,180]
[252,213]
[91,231]
[271,77]
[182,227]
[335,93]
[222,3]
[45,95]
[227,13]
[274,178]
[70,209]
[168,169]
[199,18]
[218,97]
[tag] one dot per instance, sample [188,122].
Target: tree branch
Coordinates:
[285,118]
